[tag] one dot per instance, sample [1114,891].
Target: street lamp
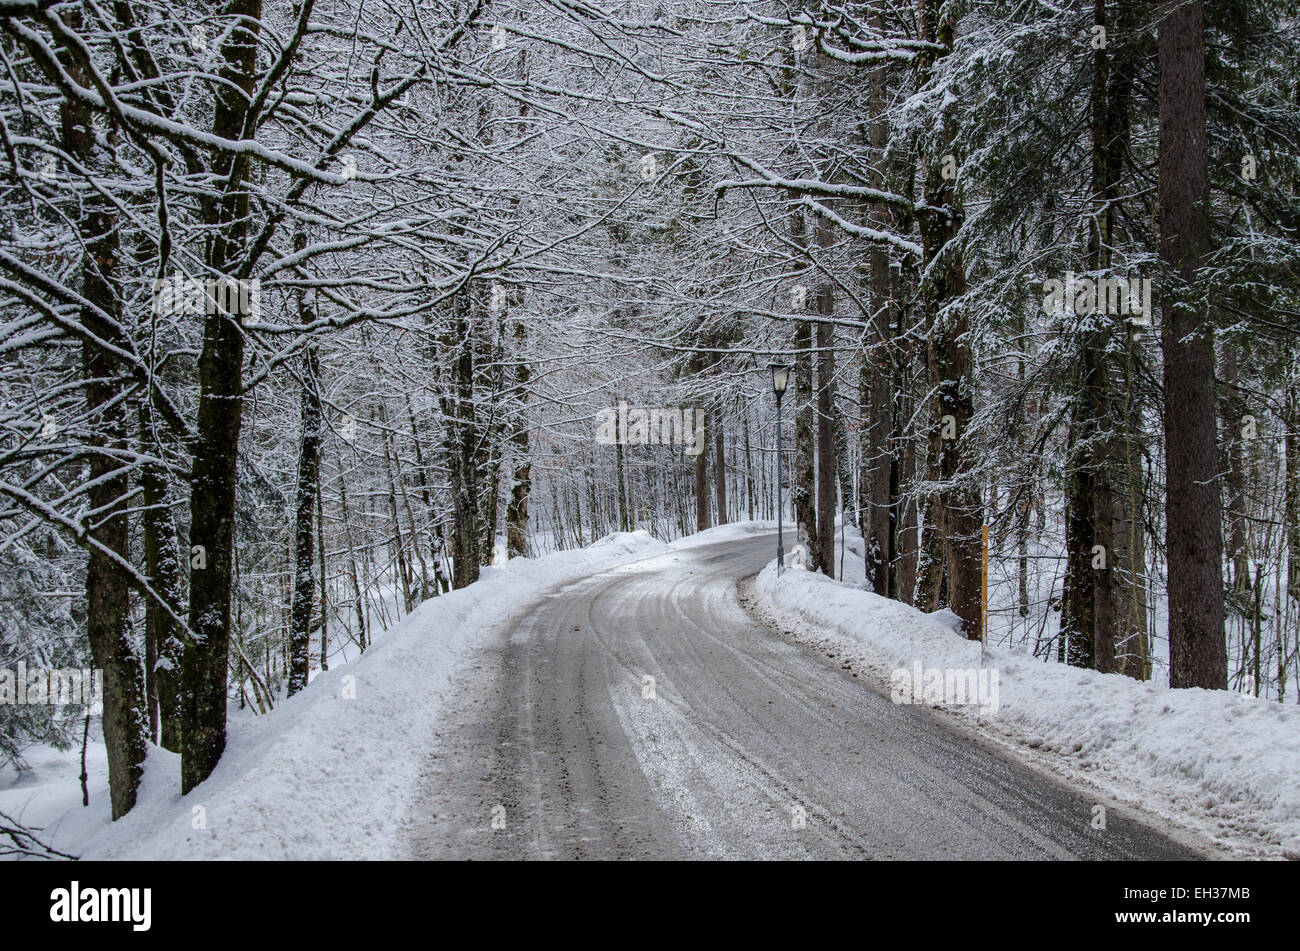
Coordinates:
[780,378]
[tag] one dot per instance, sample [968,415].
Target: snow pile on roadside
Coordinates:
[329,773]
[731,532]
[1217,762]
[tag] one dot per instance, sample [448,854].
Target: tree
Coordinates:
[1197,652]
[113,649]
[956,506]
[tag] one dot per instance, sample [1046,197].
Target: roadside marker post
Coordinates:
[984,592]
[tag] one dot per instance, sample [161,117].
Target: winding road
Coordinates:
[744,746]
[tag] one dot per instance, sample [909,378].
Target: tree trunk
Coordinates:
[720,470]
[824,560]
[749,464]
[461,441]
[304,578]
[522,480]
[904,487]
[398,544]
[1291,503]
[164,566]
[879,463]
[1233,412]
[488,457]
[1197,652]
[1079,593]
[702,486]
[956,505]
[324,592]
[803,477]
[112,648]
[1135,660]
[220,369]
[620,492]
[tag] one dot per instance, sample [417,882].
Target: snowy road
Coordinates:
[750,747]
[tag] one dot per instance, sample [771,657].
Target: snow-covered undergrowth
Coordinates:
[330,772]
[1211,762]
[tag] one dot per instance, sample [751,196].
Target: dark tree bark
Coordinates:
[1291,486]
[522,481]
[112,648]
[803,480]
[909,532]
[1079,592]
[304,579]
[1092,614]
[324,591]
[398,544]
[720,471]
[824,559]
[307,490]
[702,520]
[461,439]
[1197,652]
[879,473]
[903,495]
[823,554]
[929,556]
[1233,410]
[1079,621]
[489,444]
[879,465]
[749,464]
[1291,491]
[957,507]
[220,367]
[620,490]
[802,477]
[164,566]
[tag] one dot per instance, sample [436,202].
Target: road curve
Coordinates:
[751,747]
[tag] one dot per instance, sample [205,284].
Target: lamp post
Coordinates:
[780,377]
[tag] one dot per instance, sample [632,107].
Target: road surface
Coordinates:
[748,746]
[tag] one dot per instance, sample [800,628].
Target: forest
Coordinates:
[311,312]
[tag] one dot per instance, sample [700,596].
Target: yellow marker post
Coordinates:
[984,591]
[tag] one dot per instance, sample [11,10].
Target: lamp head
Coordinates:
[780,378]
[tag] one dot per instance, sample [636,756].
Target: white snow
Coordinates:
[326,777]
[1215,763]
[321,776]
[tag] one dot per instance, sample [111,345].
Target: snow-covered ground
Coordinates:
[50,785]
[329,773]
[1215,763]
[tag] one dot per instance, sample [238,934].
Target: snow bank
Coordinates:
[1215,762]
[329,774]
[732,531]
